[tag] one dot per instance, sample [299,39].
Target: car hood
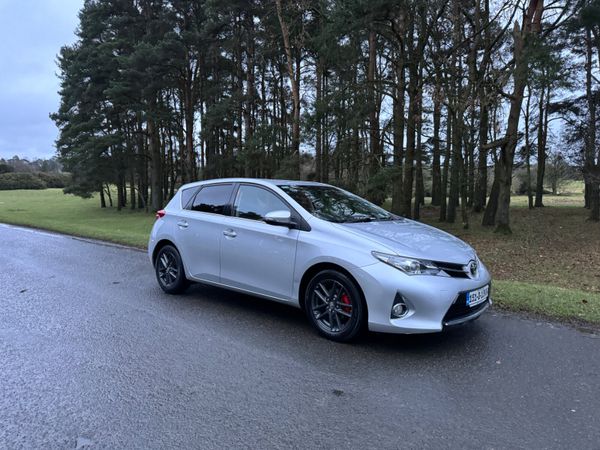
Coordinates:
[414,239]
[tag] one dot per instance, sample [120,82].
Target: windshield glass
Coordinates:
[335,205]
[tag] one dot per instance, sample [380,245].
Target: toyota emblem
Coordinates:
[473,268]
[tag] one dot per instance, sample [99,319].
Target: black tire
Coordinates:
[334,306]
[170,272]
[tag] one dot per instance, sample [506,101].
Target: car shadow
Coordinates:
[285,327]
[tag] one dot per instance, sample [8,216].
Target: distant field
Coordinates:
[549,265]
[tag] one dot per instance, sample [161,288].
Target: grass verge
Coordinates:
[554,302]
[50,209]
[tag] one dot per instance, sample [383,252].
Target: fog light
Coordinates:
[399,309]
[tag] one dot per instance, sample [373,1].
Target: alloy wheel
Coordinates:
[168,269]
[332,306]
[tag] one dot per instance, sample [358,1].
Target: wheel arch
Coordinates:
[319,267]
[160,244]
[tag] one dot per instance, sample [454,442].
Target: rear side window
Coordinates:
[186,196]
[213,199]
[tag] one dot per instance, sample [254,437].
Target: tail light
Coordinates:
[160,214]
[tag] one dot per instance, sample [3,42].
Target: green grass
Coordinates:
[548,266]
[572,305]
[50,209]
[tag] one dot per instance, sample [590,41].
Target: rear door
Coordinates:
[256,256]
[200,230]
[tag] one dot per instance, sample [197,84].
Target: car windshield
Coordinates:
[335,205]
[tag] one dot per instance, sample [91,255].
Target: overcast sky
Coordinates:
[31,34]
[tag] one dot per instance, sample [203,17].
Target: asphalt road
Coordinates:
[94,355]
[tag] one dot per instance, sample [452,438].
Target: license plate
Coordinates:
[478,296]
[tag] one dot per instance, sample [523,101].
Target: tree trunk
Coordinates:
[325,142]
[595,202]
[410,142]
[132,193]
[375,155]
[489,214]
[481,183]
[591,167]
[294,76]
[142,163]
[419,187]
[504,188]
[445,170]
[318,121]
[248,111]
[436,175]
[529,191]
[119,192]
[187,105]
[480,195]
[531,24]
[110,201]
[528,150]
[586,195]
[463,195]
[397,179]
[156,171]
[455,183]
[469,167]
[541,152]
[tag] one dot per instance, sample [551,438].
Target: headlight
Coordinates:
[410,266]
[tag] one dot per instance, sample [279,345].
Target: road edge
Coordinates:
[76,237]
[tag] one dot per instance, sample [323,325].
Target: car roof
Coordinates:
[263,181]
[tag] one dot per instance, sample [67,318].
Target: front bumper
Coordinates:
[429,299]
[467,317]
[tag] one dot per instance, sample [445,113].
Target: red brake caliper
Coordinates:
[346,300]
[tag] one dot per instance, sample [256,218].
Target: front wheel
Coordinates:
[334,306]
[169,271]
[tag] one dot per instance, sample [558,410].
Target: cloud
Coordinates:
[31,35]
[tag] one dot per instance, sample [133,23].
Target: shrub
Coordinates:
[20,180]
[5,168]
[54,180]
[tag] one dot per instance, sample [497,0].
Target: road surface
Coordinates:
[94,355]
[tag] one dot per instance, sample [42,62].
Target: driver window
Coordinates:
[252,202]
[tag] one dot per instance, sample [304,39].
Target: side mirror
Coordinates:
[280,218]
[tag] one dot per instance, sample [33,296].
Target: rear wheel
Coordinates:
[334,306]
[169,271]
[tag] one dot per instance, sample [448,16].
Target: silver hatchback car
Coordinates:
[347,263]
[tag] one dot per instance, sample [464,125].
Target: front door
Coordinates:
[256,256]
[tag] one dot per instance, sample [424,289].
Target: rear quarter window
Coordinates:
[187,195]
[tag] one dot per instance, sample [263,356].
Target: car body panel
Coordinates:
[410,238]
[270,261]
[260,258]
[199,244]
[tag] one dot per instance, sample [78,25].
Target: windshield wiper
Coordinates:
[371,219]
[362,219]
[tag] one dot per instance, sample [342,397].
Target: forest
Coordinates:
[405,101]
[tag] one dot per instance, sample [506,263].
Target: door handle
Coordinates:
[182,224]
[229,233]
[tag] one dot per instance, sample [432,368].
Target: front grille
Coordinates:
[453,270]
[460,309]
